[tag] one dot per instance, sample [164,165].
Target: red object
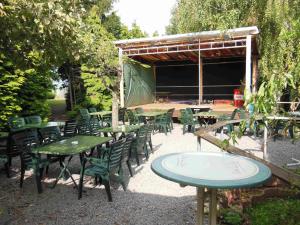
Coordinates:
[238,100]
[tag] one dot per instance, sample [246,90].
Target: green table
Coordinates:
[212,171]
[124,129]
[208,115]
[151,114]
[101,114]
[69,147]
[45,124]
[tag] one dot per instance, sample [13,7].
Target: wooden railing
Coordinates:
[277,171]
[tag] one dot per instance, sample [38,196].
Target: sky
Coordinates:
[150,15]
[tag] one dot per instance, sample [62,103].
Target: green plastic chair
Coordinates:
[23,142]
[70,128]
[92,109]
[162,123]
[170,117]
[16,123]
[133,119]
[3,156]
[139,144]
[127,152]
[122,112]
[188,120]
[84,114]
[104,168]
[33,119]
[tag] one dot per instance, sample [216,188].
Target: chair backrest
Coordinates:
[127,146]
[94,127]
[84,114]
[50,134]
[141,135]
[189,111]
[139,110]
[83,127]
[92,109]
[33,119]
[131,116]
[115,154]
[21,142]
[182,116]
[70,128]
[170,113]
[15,123]
[122,114]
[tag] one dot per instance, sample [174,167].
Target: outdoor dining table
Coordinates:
[44,125]
[212,171]
[124,129]
[101,113]
[208,115]
[76,145]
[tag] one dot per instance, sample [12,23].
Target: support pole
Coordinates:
[121,78]
[213,207]
[200,206]
[200,65]
[248,65]
[254,73]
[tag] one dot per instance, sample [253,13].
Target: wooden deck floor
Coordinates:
[224,108]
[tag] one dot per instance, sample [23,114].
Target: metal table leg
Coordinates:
[63,171]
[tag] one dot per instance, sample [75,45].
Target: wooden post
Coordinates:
[213,207]
[122,103]
[248,65]
[154,74]
[200,64]
[254,73]
[200,206]
[265,147]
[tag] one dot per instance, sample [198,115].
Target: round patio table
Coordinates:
[212,171]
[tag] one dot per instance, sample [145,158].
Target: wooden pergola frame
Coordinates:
[196,46]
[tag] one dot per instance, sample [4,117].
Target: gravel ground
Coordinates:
[149,199]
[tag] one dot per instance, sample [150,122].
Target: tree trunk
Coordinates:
[115,110]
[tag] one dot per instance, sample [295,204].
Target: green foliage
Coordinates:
[276,212]
[231,217]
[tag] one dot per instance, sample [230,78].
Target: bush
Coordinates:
[276,212]
[231,217]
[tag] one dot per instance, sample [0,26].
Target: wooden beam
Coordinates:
[200,67]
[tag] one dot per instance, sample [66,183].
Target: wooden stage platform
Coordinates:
[223,108]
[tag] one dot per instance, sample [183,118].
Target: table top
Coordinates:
[151,114]
[212,170]
[71,146]
[45,124]
[121,129]
[208,114]
[102,113]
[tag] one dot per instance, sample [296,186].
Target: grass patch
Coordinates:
[56,102]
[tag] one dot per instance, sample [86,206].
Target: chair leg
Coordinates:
[6,165]
[80,184]
[22,174]
[129,167]
[107,189]
[137,157]
[38,177]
